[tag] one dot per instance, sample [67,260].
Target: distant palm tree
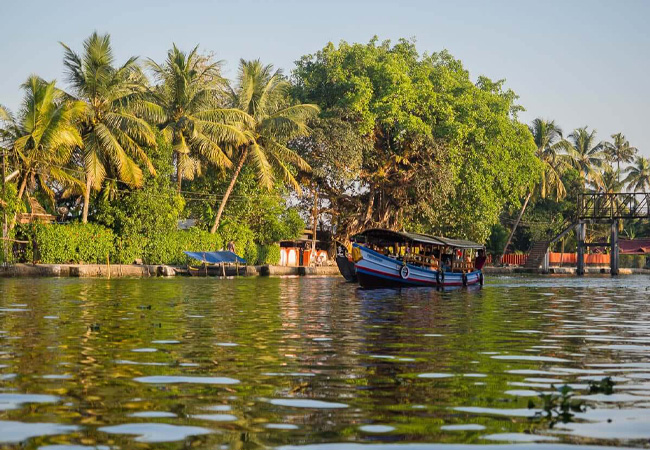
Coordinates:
[263,95]
[549,142]
[192,120]
[42,137]
[610,181]
[619,150]
[114,135]
[638,178]
[586,155]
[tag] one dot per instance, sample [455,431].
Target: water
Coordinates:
[317,364]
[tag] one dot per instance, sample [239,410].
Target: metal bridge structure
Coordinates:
[602,207]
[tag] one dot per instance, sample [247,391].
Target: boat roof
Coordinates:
[403,236]
[216,257]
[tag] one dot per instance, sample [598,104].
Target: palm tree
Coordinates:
[619,151]
[114,135]
[192,120]
[43,136]
[586,155]
[262,94]
[638,178]
[549,142]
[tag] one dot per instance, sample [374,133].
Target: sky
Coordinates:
[578,62]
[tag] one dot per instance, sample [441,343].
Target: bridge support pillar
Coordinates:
[613,254]
[581,233]
[545,262]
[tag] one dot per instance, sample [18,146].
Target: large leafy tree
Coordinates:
[638,177]
[586,155]
[114,132]
[440,153]
[619,151]
[42,137]
[192,120]
[272,121]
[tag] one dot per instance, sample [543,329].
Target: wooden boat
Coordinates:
[386,258]
[216,264]
[345,263]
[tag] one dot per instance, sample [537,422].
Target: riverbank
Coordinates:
[149,270]
[561,271]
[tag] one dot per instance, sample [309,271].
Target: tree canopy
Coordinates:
[440,152]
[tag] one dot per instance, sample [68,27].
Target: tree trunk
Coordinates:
[179,172]
[84,217]
[226,195]
[21,192]
[514,228]
[314,227]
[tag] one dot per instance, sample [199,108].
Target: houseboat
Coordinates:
[387,258]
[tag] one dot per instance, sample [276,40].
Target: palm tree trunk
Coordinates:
[514,228]
[179,172]
[314,227]
[84,217]
[21,192]
[226,195]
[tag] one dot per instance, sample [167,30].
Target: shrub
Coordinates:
[268,254]
[73,243]
[168,248]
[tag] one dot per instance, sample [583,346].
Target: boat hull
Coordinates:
[375,270]
[345,264]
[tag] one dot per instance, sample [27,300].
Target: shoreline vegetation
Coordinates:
[358,135]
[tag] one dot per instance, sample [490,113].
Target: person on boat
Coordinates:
[479,262]
[446,263]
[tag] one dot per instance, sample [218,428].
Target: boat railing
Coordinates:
[422,260]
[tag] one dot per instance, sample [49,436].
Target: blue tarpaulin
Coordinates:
[216,257]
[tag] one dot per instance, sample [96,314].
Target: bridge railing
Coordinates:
[627,205]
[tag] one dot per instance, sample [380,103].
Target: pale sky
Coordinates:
[580,62]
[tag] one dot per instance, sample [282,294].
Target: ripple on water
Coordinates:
[15,432]
[517,412]
[376,428]
[14,401]
[529,358]
[518,437]
[305,403]
[156,432]
[281,426]
[215,417]
[152,414]
[463,427]
[170,379]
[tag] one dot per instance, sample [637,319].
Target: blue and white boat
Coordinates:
[386,258]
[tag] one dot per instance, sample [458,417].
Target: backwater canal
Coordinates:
[318,364]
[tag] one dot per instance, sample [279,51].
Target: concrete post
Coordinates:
[580,234]
[613,256]
[546,262]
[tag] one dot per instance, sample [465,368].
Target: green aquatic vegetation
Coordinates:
[603,386]
[558,406]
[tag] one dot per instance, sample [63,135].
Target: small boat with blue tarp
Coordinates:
[387,258]
[214,263]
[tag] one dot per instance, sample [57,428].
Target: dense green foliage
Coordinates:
[441,153]
[73,243]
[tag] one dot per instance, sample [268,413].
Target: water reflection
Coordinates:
[317,363]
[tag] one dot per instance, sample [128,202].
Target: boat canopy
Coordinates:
[390,236]
[216,257]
